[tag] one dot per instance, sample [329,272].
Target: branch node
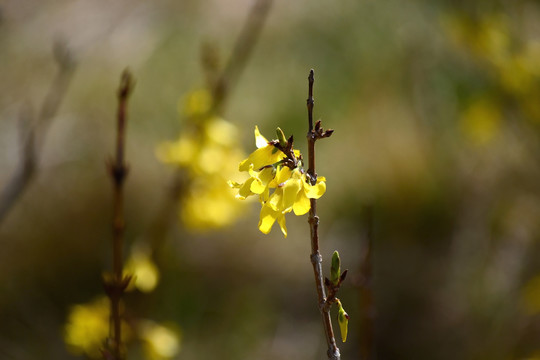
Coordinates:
[316,258]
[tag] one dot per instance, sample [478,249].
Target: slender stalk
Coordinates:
[313,219]
[118,171]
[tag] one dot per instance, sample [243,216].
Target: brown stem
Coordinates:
[118,171]
[313,219]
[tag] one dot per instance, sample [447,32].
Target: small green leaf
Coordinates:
[335,269]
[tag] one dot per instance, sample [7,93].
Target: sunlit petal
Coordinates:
[260,140]
[302,204]
[267,219]
[281,222]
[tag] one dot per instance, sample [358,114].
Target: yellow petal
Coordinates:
[317,190]
[245,191]
[261,157]
[283,174]
[260,140]
[281,222]
[290,192]
[263,197]
[276,200]
[267,219]
[262,178]
[302,204]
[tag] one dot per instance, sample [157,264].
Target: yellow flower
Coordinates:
[161,342]
[87,327]
[270,169]
[144,271]
[208,153]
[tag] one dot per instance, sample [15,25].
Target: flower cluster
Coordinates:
[207,151]
[277,177]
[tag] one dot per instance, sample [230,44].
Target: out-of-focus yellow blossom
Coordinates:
[512,63]
[210,204]
[486,37]
[144,271]
[208,151]
[281,187]
[87,327]
[161,342]
[481,121]
[196,104]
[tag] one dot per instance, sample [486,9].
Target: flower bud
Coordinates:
[343,320]
[335,269]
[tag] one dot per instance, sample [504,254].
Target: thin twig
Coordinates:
[240,54]
[33,131]
[313,219]
[118,170]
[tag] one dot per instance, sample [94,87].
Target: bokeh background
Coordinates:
[433,170]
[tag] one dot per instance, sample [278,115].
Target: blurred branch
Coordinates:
[118,170]
[242,50]
[316,258]
[33,131]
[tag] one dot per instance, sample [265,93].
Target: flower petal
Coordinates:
[261,157]
[276,200]
[267,219]
[283,174]
[282,225]
[245,191]
[262,178]
[317,190]
[290,192]
[260,140]
[302,204]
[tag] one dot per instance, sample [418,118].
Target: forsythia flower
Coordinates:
[87,327]
[160,342]
[143,269]
[208,151]
[277,177]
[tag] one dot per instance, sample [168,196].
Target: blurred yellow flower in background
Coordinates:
[208,151]
[511,64]
[481,121]
[160,342]
[142,268]
[87,327]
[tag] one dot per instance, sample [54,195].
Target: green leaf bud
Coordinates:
[281,137]
[335,269]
